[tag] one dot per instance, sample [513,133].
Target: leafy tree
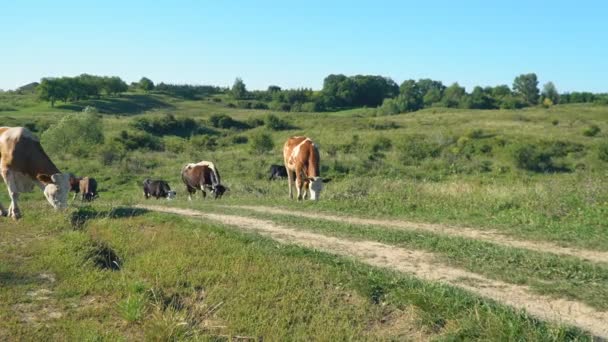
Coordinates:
[75,134]
[550,92]
[410,96]
[50,89]
[481,98]
[526,86]
[453,95]
[146,84]
[239,91]
[431,91]
[261,143]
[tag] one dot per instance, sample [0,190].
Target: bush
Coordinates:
[111,153]
[239,139]
[139,140]
[174,144]
[261,143]
[226,122]
[418,147]
[538,159]
[277,124]
[168,124]
[76,134]
[592,131]
[202,143]
[254,122]
[603,151]
[476,134]
[382,144]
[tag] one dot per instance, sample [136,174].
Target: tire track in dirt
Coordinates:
[489,235]
[422,265]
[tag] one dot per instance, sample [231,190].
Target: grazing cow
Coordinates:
[85,186]
[202,176]
[301,158]
[277,172]
[88,188]
[158,189]
[24,164]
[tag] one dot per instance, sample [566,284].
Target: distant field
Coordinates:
[475,189]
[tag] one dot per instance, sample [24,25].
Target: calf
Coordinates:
[202,176]
[158,189]
[277,172]
[88,189]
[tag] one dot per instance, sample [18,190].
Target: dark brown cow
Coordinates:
[24,164]
[202,176]
[301,158]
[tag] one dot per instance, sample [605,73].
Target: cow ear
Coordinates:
[326,180]
[44,178]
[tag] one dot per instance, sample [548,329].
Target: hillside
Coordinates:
[513,199]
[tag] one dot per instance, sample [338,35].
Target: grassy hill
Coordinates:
[537,174]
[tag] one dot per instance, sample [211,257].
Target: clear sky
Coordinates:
[298,43]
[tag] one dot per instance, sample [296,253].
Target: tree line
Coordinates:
[338,92]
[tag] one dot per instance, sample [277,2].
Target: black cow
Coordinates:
[158,189]
[277,172]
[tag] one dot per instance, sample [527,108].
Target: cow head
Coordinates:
[171,194]
[218,190]
[56,188]
[315,185]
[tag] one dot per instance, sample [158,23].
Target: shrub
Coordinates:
[603,151]
[111,153]
[226,122]
[418,147]
[277,124]
[254,122]
[261,143]
[168,124]
[538,159]
[240,139]
[381,144]
[555,122]
[592,131]
[139,140]
[174,144]
[76,134]
[476,134]
[201,143]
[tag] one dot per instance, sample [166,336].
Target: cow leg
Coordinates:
[13,210]
[290,176]
[204,194]
[299,183]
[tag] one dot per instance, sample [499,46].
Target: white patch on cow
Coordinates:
[315,187]
[171,194]
[20,182]
[296,152]
[15,133]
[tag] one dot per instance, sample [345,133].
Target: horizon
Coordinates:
[297,46]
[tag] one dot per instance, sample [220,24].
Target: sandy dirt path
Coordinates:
[489,235]
[422,265]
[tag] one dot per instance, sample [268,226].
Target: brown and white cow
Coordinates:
[24,164]
[301,157]
[202,176]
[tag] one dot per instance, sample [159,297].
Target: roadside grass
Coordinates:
[186,279]
[559,276]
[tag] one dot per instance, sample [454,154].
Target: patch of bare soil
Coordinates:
[488,235]
[422,265]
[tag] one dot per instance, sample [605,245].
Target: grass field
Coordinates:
[109,271]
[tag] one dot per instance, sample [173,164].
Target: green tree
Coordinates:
[76,134]
[526,86]
[550,92]
[146,84]
[453,95]
[51,89]
[239,91]
[261,143]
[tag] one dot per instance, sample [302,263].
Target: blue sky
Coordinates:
[297,45]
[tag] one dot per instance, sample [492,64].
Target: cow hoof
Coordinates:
[15,215]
